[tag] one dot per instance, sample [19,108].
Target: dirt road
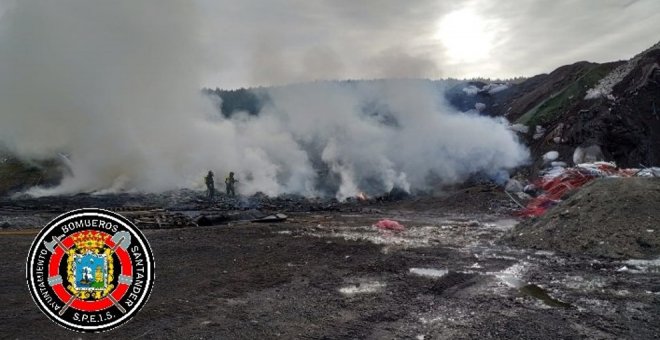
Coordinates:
[331,275]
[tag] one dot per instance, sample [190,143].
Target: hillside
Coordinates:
[612,105]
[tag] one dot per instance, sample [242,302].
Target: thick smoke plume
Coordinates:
[116,87]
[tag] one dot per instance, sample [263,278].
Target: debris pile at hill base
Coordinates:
[608,217]
[558,181]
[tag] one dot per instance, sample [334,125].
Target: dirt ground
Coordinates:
[609,217]
[331,275]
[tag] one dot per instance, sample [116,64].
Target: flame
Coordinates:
[362,196]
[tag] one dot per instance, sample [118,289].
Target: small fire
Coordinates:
[361,196]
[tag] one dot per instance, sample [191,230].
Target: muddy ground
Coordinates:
[330,274]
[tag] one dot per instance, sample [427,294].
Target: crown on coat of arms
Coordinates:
[90,240]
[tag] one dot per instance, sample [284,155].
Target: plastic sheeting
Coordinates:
[558,181]
[391,225]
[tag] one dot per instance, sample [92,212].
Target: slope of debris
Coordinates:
[606,85]
[611,105]
[623,120]
[609,217]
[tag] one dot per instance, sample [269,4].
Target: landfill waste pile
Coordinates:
[615,216]
[558,181]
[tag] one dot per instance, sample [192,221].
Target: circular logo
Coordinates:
[90,270]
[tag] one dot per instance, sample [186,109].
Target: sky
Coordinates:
[271,42]
[256,42]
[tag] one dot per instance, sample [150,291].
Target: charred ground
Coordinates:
[330,274]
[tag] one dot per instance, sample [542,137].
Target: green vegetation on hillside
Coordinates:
[561,101]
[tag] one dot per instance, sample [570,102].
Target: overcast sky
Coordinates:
[258,42]
[266,42]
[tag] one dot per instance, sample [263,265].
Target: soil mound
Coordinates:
[609,217]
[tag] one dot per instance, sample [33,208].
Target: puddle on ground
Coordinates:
[362,288]
[503,224]
[407,240]
[511,275]
[429,272]
[540,294]
[641,266]
[511,280]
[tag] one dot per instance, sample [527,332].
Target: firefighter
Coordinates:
[210,185]
[230,183]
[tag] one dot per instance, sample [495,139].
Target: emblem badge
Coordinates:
[90,270]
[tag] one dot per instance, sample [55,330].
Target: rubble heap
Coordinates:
[614,217]
[558,181]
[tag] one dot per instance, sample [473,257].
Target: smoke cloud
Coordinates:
[115,87]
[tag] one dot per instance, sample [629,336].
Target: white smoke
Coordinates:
[381,134]
[115,86]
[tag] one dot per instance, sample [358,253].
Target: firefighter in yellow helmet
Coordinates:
[230,182]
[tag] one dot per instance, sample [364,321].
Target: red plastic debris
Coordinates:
[556,186]
[389,225]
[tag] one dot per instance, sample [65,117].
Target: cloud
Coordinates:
[366,39]
[543,35]
[396,63]
[280,42]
